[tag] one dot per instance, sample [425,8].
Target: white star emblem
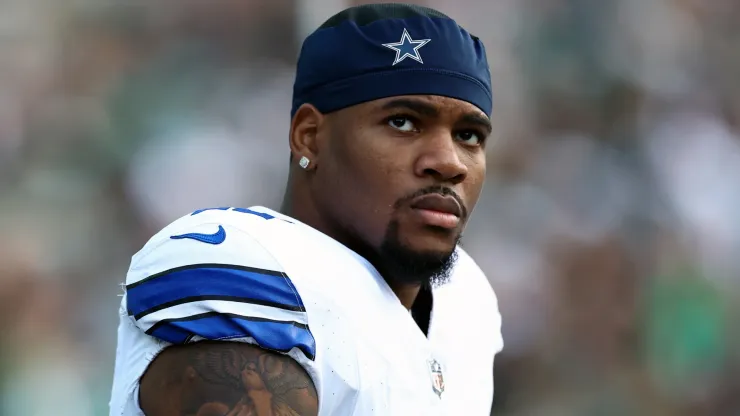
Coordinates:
[407,48]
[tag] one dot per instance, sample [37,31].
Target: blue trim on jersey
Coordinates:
[273,335]
[242,210]
[199,282]
[259,214]
[196,212]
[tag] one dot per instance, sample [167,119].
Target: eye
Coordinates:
[402,123]
[470,138]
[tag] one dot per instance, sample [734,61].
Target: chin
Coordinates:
[439,242]
[426,261]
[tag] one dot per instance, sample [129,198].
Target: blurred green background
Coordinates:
[609,226]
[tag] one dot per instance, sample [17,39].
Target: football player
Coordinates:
[355,298]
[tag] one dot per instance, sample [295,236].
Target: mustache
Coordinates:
[434,190]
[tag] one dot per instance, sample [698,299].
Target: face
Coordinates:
[397,179]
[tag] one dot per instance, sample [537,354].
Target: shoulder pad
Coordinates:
[207,277]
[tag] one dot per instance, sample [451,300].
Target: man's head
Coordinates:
[391,108]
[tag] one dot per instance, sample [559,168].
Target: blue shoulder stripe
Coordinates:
[242,210]
[212,282]
[278,336]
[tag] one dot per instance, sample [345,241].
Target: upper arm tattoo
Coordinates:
[226,379]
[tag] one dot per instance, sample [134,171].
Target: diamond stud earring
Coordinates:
[304,162]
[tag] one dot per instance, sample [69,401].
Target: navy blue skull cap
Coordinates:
[376,51]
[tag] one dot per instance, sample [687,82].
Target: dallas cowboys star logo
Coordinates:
[407,48]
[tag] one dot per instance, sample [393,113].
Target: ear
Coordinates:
[304,130]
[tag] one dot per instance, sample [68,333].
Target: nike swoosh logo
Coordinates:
[216,238]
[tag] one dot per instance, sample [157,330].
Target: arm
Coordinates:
[193,295]
[226,379]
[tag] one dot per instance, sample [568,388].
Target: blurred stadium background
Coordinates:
[609,227]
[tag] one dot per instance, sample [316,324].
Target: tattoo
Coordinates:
[227,379]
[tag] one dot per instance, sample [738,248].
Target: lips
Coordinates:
[438,203]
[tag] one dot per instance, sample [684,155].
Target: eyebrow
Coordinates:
[429,110]
[478,120]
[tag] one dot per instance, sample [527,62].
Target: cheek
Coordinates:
[475,181]
[367,161]
[369,178]
[357,186]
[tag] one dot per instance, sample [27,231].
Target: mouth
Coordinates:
[437,210]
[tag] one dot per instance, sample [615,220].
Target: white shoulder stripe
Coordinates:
[224,307]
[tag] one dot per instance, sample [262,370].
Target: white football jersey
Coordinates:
[256,276]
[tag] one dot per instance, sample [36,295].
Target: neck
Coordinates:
[406,293]
[286,208]
[304,210]
[308,214]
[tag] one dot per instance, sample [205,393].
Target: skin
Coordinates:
[226,379]
[374,155]
[366,161]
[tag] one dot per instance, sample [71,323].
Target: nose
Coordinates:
[440,159]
